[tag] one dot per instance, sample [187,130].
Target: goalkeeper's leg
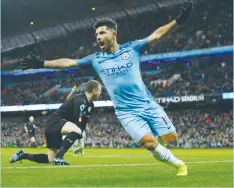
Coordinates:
[74,145]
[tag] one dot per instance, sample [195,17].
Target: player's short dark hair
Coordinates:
[91,85]
[108,22]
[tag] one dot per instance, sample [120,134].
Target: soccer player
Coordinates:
[70,119]
[78,145]
[118,67]
[30,129]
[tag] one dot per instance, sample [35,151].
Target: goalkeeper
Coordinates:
[78,146]
[70,120]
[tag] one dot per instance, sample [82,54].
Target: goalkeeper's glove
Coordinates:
[31,62]
[75,89]
[185,13]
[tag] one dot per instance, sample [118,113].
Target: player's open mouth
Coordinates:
[101,44]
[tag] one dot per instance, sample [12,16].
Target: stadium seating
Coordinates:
[196,129]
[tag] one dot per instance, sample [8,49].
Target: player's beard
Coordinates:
[107,47]
[103,46]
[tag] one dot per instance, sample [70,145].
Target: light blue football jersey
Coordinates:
[120,73]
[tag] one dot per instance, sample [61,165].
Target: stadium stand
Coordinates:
[197,127]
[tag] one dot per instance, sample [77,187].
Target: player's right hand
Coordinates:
[31,62]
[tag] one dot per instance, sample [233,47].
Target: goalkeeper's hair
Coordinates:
[91,85]
[108,22]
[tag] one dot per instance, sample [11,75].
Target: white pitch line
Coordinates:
[108,165]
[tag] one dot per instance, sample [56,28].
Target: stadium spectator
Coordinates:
[196,128]
[209,29]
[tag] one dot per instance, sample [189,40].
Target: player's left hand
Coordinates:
[185,13]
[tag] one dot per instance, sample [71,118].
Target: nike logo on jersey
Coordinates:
[99,62]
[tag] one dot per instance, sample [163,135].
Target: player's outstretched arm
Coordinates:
[60,63]
[70,95]
[163,31]
[33,62]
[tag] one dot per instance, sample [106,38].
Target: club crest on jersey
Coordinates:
[82,107]
[89,109]
[125,56]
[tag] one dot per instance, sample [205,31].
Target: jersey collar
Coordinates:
[105,55]
[86,102]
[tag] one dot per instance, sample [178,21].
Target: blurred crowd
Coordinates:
[13,133]
[196,128]
[210,26]
[210,75]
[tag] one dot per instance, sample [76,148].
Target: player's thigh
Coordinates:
[52,154]
[136,127]
[159,123]
[53,129]
[53,140]
[69,127]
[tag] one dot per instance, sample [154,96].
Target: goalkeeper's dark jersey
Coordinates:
[76,110]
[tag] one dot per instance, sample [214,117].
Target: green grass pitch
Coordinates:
[121,168]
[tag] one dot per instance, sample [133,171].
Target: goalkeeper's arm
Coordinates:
[70,95]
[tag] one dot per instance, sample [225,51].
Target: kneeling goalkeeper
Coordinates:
[70,120]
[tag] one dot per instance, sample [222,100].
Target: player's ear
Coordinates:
[114,34]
